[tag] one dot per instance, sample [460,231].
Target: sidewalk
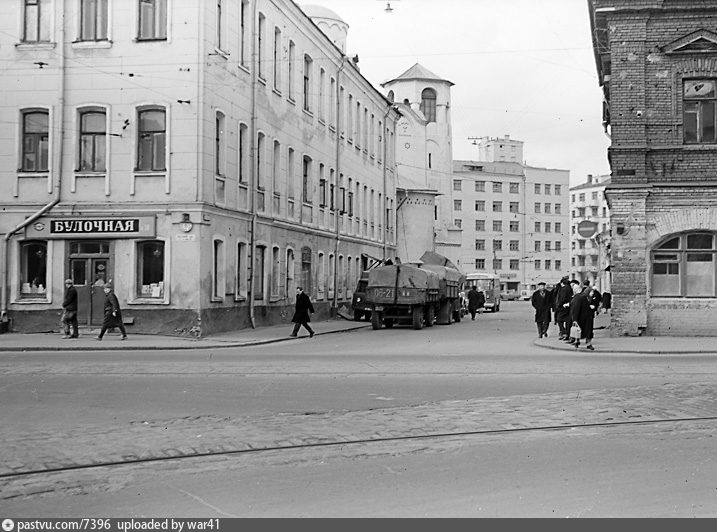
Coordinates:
[111,341]
[656,345]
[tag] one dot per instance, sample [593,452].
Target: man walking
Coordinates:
[562,308]
[302,314]
[476,300]
[113,314]
[69,310]
[542,304]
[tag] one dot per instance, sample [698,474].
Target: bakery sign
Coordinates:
[139,226]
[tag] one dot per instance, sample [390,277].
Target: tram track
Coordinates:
[251,450]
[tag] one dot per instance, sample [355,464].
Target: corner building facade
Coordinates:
[205,157]
[657,64]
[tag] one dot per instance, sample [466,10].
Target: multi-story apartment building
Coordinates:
[589,252]
[205,157]
[657,65]
[515,217]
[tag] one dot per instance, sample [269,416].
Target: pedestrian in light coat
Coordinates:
[113,314]
[302,314]
[542,303]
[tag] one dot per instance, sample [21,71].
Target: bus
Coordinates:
[490,284]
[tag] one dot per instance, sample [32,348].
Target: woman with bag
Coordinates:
[583,316]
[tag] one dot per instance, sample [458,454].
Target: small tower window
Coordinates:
[428,104]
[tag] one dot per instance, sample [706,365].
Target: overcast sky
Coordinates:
[523,68]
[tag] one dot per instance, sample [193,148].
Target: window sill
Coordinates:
[261,80]
[276,91]
[22,174]
[35,45]
[291,100]
[90,174]
[240,299]
[244,68]
[85,45]
[148,301]
[218,52]
[308,113]
[150,39]
[27,300]
[158,173]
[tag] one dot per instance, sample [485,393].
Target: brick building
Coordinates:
[657,65]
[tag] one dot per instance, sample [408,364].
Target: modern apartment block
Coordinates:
[515,217]
[205,157]
[657,66]
[590,246]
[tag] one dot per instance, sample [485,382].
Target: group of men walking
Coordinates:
[573,305]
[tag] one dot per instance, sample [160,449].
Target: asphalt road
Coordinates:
[467,419]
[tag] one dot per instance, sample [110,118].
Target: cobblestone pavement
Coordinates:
[25,452]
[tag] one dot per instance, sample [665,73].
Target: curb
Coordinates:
[599,350]
[127,346]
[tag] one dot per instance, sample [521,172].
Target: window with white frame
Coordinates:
[306,180]
[480,186]
[243,154]
[276,169]
[683,265]
[497,187]
[93,20]
[514,226]
[35,140]
[480,205]
[152,140]
[93,140]
[291,67]
[37,21]
[260,44]
[514,188]
[277,63]
[480,244]
[218,262]
[260,149]
[259,272]
[480,264]
[275,269]
[152,20]
[244,33]
[700,111]
[242,270]
[514,245]
[308,65]
[150,269]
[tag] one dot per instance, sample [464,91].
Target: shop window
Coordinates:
[35,141]
[33,269]
[150,266]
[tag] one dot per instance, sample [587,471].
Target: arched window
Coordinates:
[684,266]
[428,104]
[390,96]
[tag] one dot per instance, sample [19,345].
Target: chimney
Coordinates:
[590,179]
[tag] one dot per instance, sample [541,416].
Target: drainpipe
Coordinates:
[200,105]
[334,303]
[58,181]
[385,171]
[252,161]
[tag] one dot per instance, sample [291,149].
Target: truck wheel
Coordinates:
[429,316]
[375,320]
[358,315]
[417,318]
[457,316]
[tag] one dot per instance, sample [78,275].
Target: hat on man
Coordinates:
[564,278]
[541,283]
[108,286]
[68,281]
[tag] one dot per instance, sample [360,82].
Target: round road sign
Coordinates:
[587,228]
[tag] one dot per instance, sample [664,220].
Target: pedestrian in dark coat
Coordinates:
[562,308]
[302,314]
[584,316]
[112,313]
[69,310]
[594,296]
[541,301]
[476,300]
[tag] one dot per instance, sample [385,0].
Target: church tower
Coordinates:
[424,161]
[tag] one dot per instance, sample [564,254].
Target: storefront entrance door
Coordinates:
[89,268]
